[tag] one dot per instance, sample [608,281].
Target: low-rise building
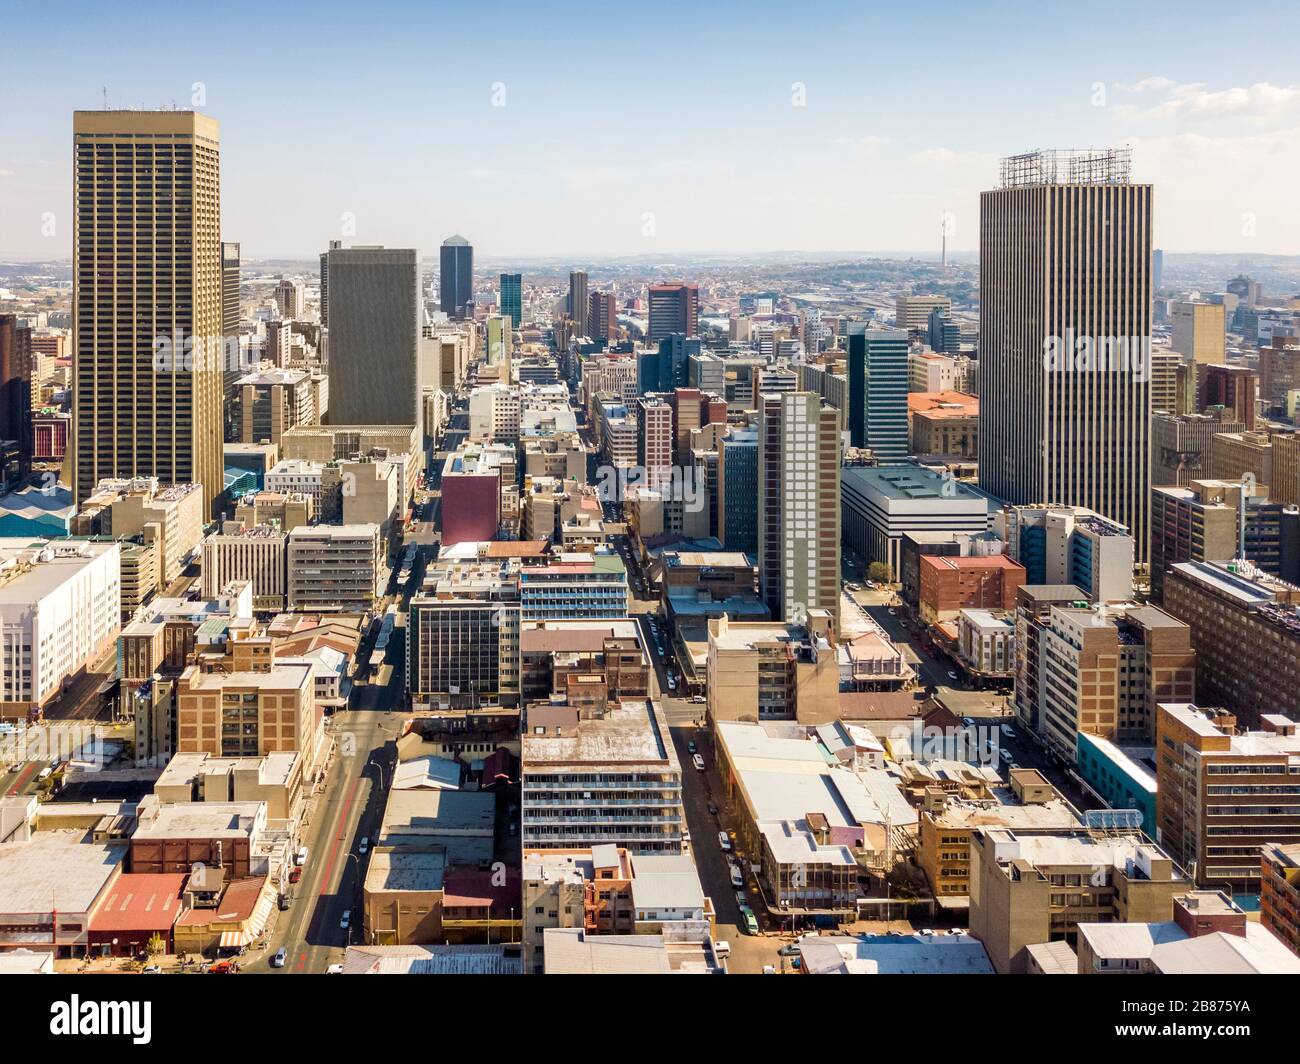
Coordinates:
[1029,889]
[765,670]
[1279,892]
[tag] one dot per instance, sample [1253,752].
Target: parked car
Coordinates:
[1008,731]
[280,957]
[691,746]
[334,969]
[300,858]
[724,842]
[1005,754]
[346,920]
[364,846]
[737,876]
[790,950]
[952,675]
[698,762]
[722,949]
[713,807]
[769,970]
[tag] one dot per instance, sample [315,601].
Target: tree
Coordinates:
[155,946]
[880,573]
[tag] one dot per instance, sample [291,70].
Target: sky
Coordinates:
[607,129]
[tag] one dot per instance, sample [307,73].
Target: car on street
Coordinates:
[280,957]
[724,842]
[892,613]
[1005,754]
[1008,731]
[698,762]
[737,876]
[690,747]
[790,950]
[346,920]
[748,921]
[722,949]
[769,970]
[364,845]
[713,807]
[300,858]
[151,969]
[741,900]
[334,969]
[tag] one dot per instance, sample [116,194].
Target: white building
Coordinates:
[60,608]
[254,554]
[298,474]
[987,640]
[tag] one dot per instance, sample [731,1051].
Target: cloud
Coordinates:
[1165,99]
[869,141]
[947,156]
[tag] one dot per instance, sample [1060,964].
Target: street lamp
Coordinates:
[382,778]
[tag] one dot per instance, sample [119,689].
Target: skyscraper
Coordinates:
[147,283]
[577,302]
[512,298]
[674,308]
[16,394]
[375,311]
[798,505]
[878,373]
[602,315]
[1065,327]
[229,288]
[325,282]
[456,276]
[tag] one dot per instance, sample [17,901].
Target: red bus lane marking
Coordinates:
[343,830]
[22,779]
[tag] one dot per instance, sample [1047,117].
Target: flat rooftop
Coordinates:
[55,870]
[634,732]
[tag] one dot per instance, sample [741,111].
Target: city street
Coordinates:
[350,807]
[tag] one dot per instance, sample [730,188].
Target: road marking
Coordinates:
[22,779]
[343,829]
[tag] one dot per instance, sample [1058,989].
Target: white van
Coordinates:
[300,858]
[722,949]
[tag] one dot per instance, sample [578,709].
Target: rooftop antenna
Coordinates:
[943,240]
[104,89]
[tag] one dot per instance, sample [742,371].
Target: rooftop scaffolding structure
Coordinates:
[1068,166]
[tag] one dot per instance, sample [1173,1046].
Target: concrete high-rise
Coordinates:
[512,298]
[798,505]
[147,299]
[374,376]
[456,277]
[229,289]
[1065,328]
[577,303]
[1199,332]
[674,308]
[602,315]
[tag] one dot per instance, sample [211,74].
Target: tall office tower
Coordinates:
[654,423]
[325,282]
[674,308]
[913,312]
[1158,270]
[577,303]
[456,277]
[798,505]
[1199,332]
[229,288]
[147,284]
[290,298]
[375,311]
[15,396]
[738,491]
[1065,274]
[668,367]
[878,375]
[602,315]
[512,298]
